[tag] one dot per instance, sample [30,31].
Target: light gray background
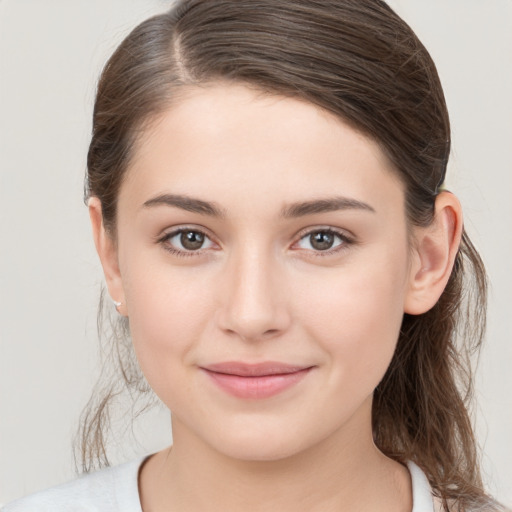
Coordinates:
[51,52]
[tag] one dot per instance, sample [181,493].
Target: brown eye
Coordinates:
[192,240]
[321,240]
[186,241]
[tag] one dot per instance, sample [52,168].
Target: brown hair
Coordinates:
[358,60]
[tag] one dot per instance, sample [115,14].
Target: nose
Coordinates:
[254,303]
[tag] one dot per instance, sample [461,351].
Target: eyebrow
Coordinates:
[324,205]
[299,209]
[187,203]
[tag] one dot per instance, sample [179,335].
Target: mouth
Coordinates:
[255,381]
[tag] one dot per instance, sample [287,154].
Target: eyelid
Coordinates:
[344,233]
[346,237]
[169,233]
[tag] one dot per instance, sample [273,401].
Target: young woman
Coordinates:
[265,185]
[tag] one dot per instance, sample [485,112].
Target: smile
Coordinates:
[255,381]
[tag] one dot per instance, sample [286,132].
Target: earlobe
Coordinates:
[107,252]
[434,255]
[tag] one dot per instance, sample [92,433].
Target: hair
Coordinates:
[360,61]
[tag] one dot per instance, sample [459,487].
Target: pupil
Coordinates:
[321,240]
[192,240]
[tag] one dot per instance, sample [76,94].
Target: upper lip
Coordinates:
[242,369]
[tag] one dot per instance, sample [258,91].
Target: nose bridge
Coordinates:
[253,306]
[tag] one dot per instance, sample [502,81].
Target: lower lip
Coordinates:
[264,386]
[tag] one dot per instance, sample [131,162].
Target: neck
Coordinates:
[344,472]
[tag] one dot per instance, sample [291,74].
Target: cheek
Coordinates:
[357,320]
[168,312]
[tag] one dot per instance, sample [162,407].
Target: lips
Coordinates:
[255,381]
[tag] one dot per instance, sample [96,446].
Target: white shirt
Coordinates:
[116,490]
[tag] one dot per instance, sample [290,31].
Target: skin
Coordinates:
[258,290]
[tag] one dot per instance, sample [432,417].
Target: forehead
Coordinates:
[232,141]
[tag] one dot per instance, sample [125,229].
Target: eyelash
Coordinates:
[164,241]
[345,241]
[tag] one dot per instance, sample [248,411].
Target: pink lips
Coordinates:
[261,380]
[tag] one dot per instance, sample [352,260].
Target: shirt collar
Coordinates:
[421,492]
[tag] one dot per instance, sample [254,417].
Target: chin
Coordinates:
[260,451]
[261,445]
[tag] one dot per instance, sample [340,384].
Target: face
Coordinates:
[264,266]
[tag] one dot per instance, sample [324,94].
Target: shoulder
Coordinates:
[424,499]
[112,489]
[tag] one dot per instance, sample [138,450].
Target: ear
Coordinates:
[107,251]
[434,254]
